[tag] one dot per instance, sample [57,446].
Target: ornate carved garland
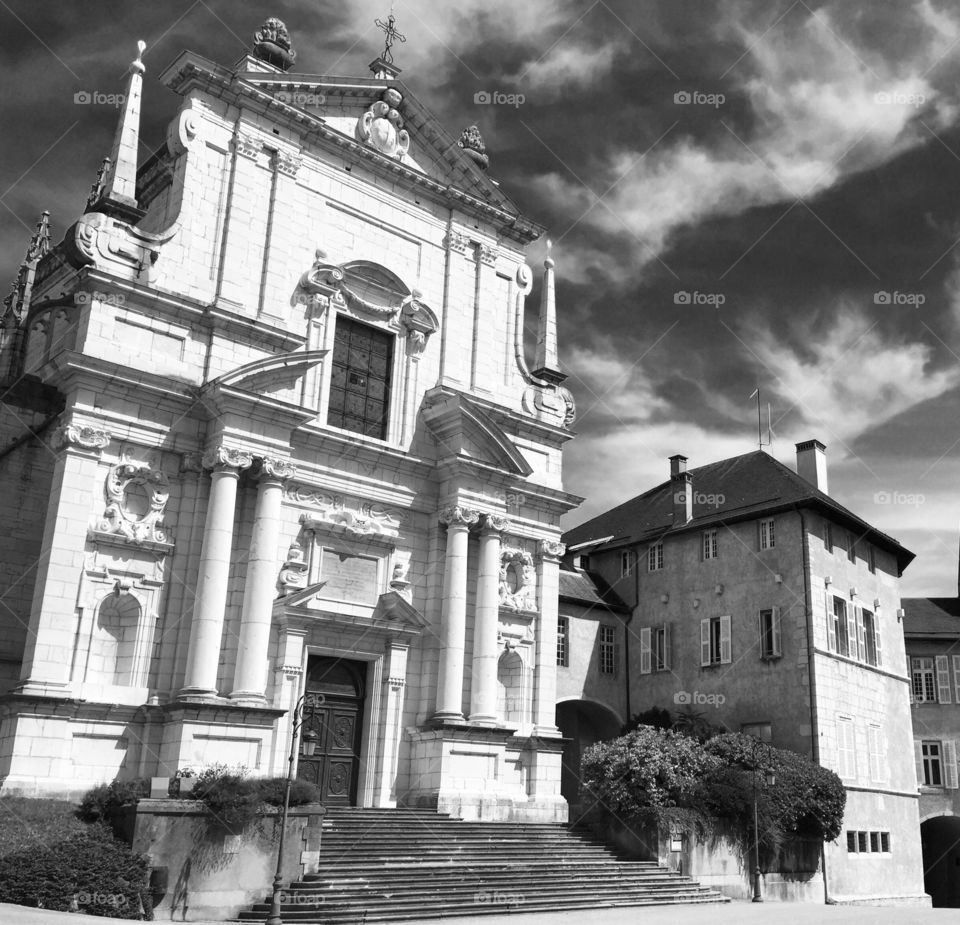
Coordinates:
[518,580]
[124,484]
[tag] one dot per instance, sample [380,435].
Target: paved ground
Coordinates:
[735,913]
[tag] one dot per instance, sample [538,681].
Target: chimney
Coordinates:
[681,487]
[812,463]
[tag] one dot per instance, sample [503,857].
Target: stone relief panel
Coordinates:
[340,514]
[518,580]
[136,499]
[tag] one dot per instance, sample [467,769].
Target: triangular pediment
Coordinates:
[342,104]
[392,613]
[463,430]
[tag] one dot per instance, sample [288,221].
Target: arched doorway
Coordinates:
[584,723]
[336,719]
[940,838]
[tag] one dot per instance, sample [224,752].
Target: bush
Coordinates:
[232,800]
[98,802]
[87,871]
[647,773]
[27,822]
[672,778]
[301,791]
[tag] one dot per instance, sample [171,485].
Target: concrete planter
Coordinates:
[200,871]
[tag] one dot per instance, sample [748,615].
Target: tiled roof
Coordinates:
[589,589]
[931,616]
[739,488]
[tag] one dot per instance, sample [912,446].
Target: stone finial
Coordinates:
[472,143]
[17,301]
[547,364]
[271,43]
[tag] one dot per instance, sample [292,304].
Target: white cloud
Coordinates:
[817,118]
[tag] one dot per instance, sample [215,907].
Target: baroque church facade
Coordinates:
[277,447]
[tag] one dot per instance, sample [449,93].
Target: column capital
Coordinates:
[226,457]
[494,523]
[551,549]
[454,515]
[273,468]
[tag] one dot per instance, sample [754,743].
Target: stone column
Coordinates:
[259,590]
[206,628]
[483,687]
[453,618]
[545,704]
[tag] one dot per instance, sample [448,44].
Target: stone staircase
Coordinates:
[395,865]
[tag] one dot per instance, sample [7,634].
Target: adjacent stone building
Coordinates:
[271,430]
[762,603]
[931,628]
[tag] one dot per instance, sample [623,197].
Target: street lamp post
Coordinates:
[309,746]
[769,780]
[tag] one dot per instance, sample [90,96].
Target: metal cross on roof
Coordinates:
[390,28]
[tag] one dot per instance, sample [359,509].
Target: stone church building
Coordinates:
[271,431]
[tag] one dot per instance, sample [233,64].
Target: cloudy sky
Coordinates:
[740,194]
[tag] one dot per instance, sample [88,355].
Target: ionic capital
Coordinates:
[551,549]
[274,469]
[494,523]
[459,516]
[226,457]
[81,436]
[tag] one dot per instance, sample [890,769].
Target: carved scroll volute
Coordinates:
[319,284]
[225,457]
[419,321]
[456,516]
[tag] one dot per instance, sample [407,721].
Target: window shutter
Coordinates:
[667,647]
[704,642]
[831,624]
[943,679]
[725,653]
[956,676]
[950,763]
[876,640]
[918,758]
[645,650]
[776,631]
[853,648]
[861,637]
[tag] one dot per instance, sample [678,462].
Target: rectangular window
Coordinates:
[846,748]
[851,548]
[828,536]
[710,544]
[655,557]
[770,633]
[932,764]
[563,644]
[872,559]
[924,683]
[628,562]
[715,643]
[661,648]
[859,842]
[608,649]
[767,537]
[761,731]
[840,626]
[360,378]
[956,677]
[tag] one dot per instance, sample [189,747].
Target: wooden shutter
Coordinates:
[943,679]
[645,653]
[667,647]
[725,647]
[950,764]
[831,625]
[918,758]
[705,642]
[956,676]
[876,642]
[861,637]
[776,631]
[852,648]
[877,754]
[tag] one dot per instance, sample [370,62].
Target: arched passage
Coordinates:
[940,837]
[585,723]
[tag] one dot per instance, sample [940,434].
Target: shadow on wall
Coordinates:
[584,723]
[940,838]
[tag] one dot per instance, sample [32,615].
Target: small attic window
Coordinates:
[276,131]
